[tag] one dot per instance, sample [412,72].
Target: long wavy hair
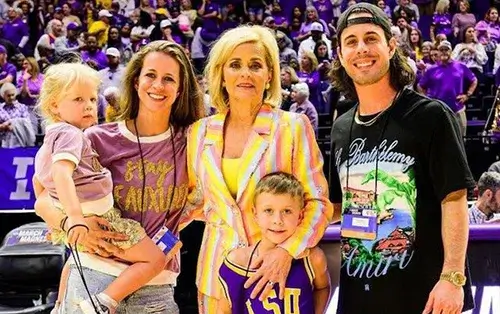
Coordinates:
[400,73]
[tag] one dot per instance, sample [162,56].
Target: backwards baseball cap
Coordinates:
[72,26]
[378,17]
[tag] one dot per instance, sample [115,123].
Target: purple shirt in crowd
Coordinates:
[64,141]
[309,110]
[34,87]
[16,110]
[462,21]
[118,151]
[306,27]
[15,30]
[325,9]
[279,18]
[8,69]
[288,5]
[442,24]
[484,28]
[98,56]
[446,81]
[211,23]
[312,80]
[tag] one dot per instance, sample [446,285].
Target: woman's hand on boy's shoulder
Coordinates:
[274,268]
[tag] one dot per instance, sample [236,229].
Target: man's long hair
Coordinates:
[400,74]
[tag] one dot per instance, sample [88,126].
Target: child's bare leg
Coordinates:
[148,261]
[62,286]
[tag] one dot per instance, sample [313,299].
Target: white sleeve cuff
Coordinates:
[65,156]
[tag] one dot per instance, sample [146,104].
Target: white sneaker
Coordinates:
[55,310]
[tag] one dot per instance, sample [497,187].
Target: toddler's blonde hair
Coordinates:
[57,82]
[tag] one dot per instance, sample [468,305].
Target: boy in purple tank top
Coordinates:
[278,204]
[69,169]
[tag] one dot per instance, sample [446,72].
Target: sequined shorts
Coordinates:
[117,223]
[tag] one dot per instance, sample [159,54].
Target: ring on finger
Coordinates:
[271,283]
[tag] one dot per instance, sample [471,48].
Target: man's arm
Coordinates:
[472,87]
[455,230]
[8,79]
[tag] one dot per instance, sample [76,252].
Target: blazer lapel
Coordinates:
[212,157]
[255,148]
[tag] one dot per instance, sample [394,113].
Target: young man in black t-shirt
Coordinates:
[400,172]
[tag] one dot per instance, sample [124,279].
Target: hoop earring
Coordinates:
[268,86]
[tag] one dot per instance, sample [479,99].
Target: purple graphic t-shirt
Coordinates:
[442,23]
[325,9]
[118,151]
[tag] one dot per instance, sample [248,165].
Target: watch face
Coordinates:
[459,279]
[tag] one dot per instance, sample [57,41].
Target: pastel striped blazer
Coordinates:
[280,141]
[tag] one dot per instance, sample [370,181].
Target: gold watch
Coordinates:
[455,277]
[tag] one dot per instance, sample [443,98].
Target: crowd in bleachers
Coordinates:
[451,45]
[34,34]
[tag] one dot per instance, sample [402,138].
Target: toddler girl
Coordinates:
[68,167]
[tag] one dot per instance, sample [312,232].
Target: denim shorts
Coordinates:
[157,299]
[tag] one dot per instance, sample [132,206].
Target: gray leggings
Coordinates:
[148,299]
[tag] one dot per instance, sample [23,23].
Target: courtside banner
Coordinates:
[16,173]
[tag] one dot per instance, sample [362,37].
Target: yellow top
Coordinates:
[106,4]
[101,29]
[418,54]
[230,171]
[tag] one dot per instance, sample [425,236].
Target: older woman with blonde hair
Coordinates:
[288,78]
[229,153]
[309,74]
[145,151]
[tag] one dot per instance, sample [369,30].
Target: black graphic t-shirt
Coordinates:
[421,159]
